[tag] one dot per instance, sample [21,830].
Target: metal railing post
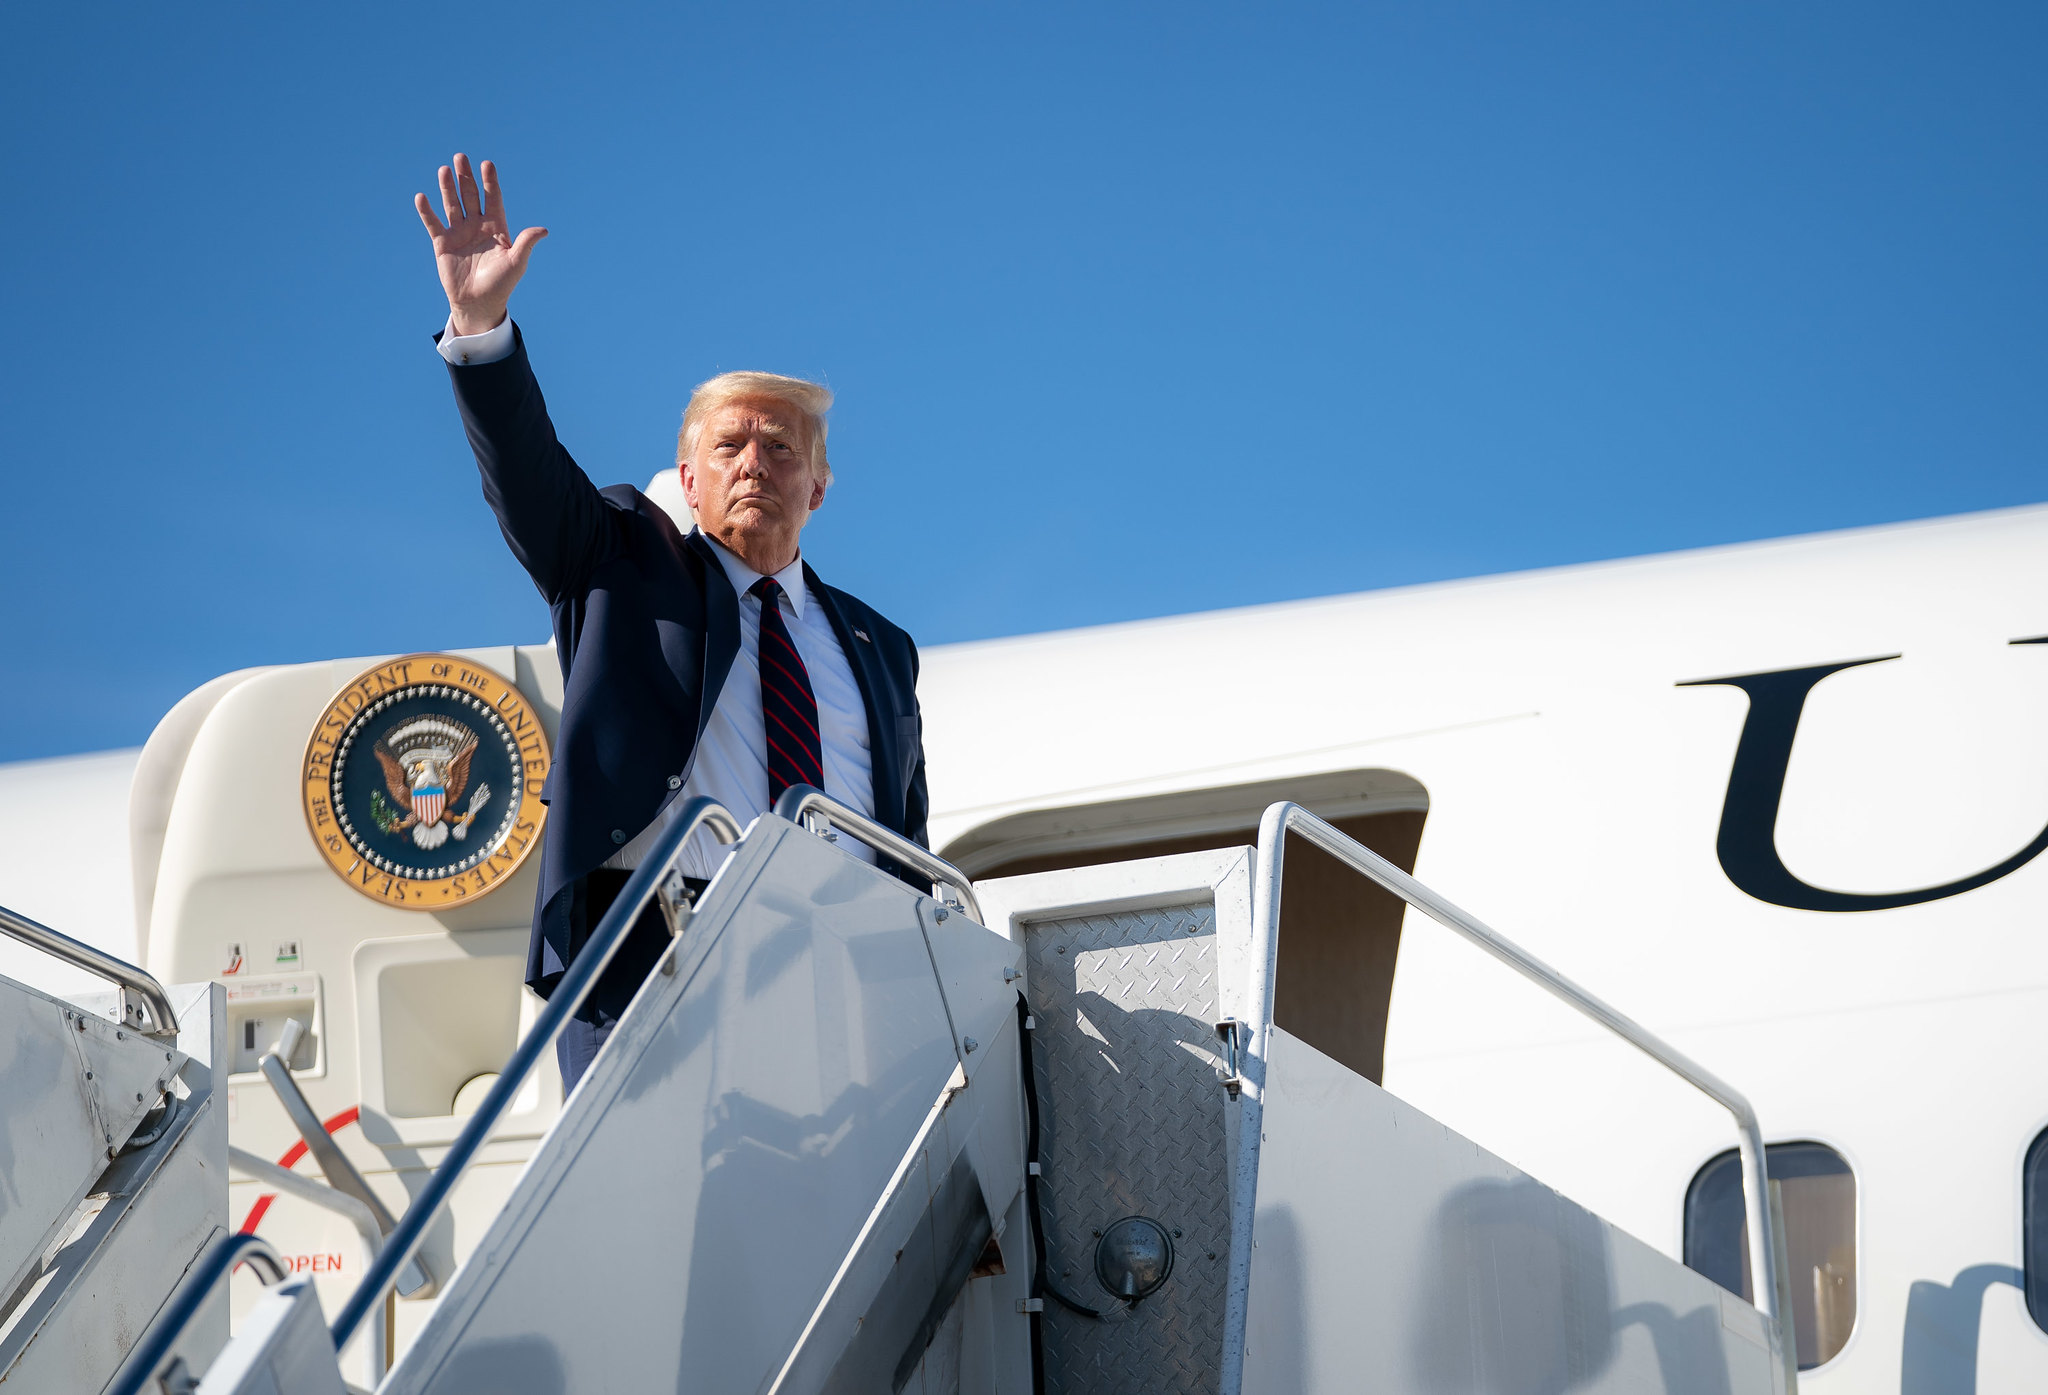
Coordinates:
[139,1371]
[349,1208]
[141,995]
[342,1175]
[799,802]
[1284,818]
[575,985]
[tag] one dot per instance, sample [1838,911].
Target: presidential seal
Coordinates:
[422,781]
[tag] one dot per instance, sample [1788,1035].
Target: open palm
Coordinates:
[478,258]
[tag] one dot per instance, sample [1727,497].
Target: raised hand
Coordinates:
[478,258]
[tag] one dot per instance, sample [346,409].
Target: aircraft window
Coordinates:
[1819,1198]
[2034,1228]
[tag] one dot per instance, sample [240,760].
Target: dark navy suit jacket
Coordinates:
[647,626]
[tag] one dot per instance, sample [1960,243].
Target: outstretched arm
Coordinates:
[550,513]
[479,260]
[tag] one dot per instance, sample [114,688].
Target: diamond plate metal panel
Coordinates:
[1133,1117]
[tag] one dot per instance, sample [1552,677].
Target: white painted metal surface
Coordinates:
[1538,720]
[654,882]
[1764,1227]
[73,1086]
[1337,1276]
[1395,1255]
[957,1191]
[143,1218]
[826,1078]
[1541,714]
[738,1128]
[160,1362]
[356,1212]
[282,1349]
[403,1008]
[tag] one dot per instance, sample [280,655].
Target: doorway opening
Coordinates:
[1339,933]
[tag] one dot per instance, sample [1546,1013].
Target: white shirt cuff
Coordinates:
[488,347]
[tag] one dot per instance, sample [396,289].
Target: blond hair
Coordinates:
[812,400]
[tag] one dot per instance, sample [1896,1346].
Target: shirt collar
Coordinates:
[743,577]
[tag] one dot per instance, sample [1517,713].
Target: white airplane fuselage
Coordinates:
[1846,923]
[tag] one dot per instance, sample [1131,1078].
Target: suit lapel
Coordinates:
[863,659]
[721,631]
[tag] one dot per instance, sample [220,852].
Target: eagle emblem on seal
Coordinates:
[426,773]
[423,780]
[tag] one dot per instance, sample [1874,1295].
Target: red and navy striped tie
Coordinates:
[788,706]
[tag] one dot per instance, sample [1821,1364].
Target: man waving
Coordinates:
[712,663]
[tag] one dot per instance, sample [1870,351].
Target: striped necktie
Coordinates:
[788,707]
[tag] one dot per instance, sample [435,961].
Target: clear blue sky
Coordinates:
[1132,309]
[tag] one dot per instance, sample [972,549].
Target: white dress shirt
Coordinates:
[488,347]
[731,762]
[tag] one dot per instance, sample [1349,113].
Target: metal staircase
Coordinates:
[113,1164]
[1037,1134]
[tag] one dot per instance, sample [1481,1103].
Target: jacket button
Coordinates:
[618,835]
[675,782]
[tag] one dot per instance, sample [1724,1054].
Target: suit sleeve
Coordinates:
[557,525]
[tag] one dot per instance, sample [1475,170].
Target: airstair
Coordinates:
[113,1166]
[1042,1134]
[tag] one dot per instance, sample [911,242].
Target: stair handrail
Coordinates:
[800,801]
[350,1208]
[575,985]
[342,1175]
[1285,817]
[163,1020]
[138,1373]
